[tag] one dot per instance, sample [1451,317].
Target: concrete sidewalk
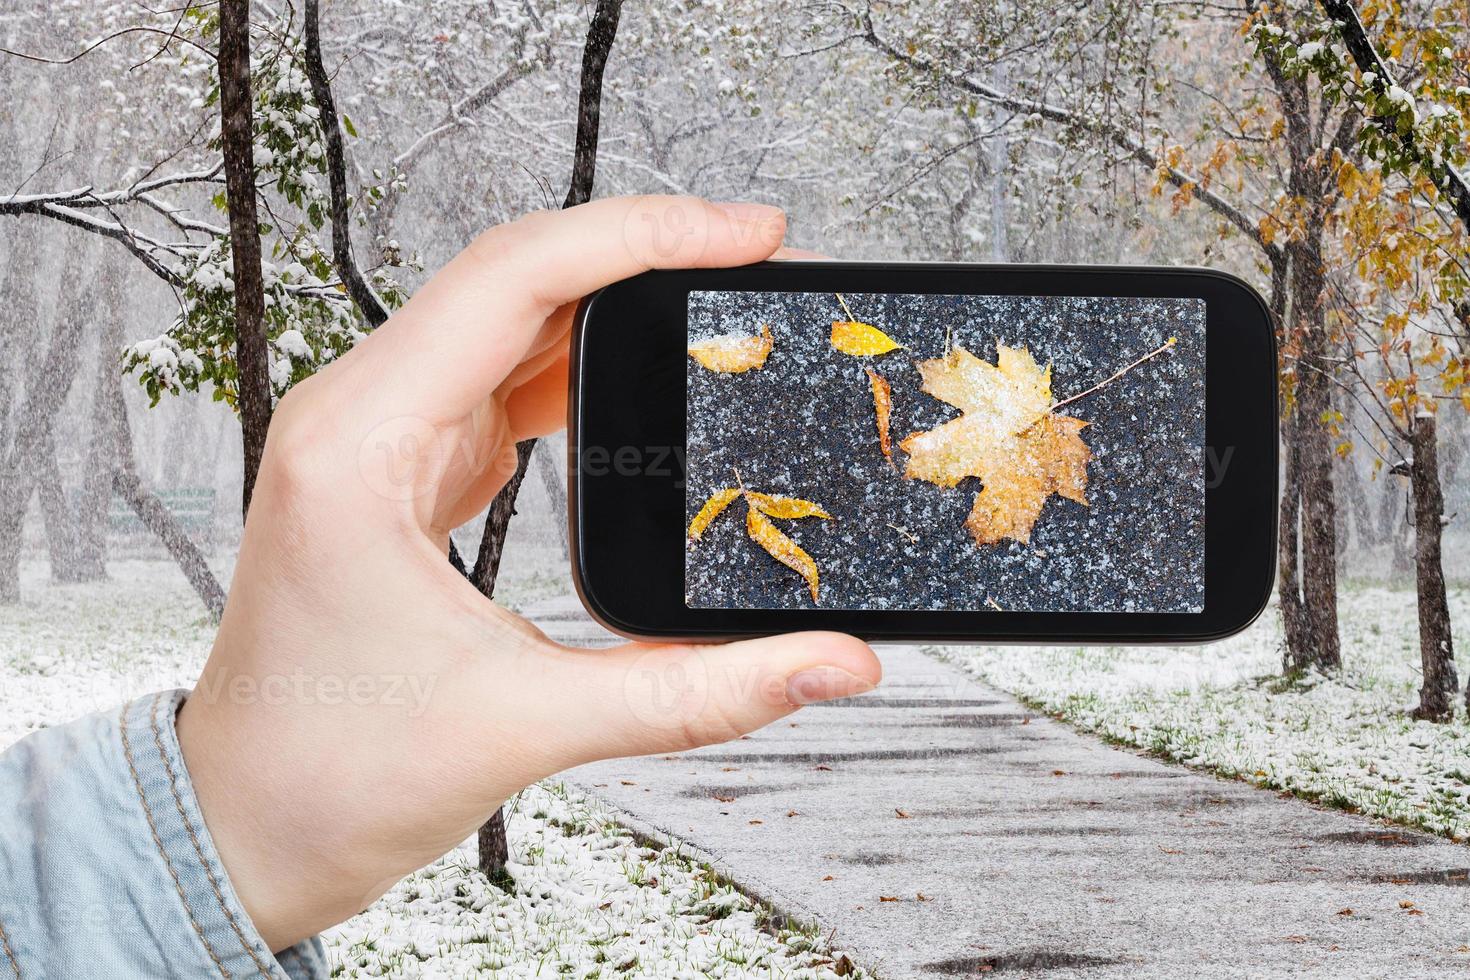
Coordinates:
[942,830]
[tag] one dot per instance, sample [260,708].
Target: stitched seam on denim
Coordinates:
[173,785]
[158,843]
[9,953]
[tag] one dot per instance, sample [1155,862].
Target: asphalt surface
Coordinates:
[941,829]
[803,425]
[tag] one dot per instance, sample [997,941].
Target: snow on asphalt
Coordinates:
[939,827]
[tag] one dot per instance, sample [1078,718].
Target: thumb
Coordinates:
[643,699]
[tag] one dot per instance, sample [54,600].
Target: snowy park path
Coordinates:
[942,829]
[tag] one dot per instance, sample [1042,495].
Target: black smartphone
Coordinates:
[924,452]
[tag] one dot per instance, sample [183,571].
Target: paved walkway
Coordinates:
[942,830]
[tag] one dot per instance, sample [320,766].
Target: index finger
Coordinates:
[469,327]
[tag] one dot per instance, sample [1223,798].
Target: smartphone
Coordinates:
[924,452]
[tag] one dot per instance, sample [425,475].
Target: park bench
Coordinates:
[192,507]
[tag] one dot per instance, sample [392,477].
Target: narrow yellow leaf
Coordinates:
[882,409]
[861,339]
[787,508]
[711,509]
[781,548]
[733,353]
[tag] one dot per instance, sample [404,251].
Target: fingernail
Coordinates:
[748,213]
[823,684]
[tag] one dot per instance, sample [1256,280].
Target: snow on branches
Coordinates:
[310,320]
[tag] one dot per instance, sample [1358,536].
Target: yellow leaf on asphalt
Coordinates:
[711,509]
[861,339]
[786,508]
[1050,457]
[781,548]
[882,409]
[998,400]
[733,353]
[1006,436]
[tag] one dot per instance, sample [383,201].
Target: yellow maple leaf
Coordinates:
[997,400]
[733,353]
[861,339]
[1006,435]
[1050,457]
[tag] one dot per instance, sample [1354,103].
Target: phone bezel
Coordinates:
[627,396]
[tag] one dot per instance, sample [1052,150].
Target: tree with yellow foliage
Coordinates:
[1403,230]
[1255,150]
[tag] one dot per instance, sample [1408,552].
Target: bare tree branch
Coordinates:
[600,35]
[459,113]
[70,207]
[170,36]
[1123,139]
[358,288]
[140,245]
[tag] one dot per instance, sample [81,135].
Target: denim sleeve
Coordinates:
[106,866]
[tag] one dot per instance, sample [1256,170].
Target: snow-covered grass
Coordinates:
[1345,741]
[67,650]
[589,899]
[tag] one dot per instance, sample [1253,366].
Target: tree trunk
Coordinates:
[1318,643]
[18,299]
[1388,509]
[1362,508]
[61,545]
[1288,582]
[556,492]
[497,524]
[494,848]
[82,293]
[1288,542]
[96,495]
[252,356]
[1453,446]
[1304,328]
[30,432]
[1436,646]
[155,516]
[17,498]
[600,36]
[999,148]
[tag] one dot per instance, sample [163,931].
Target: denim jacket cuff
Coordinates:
[109,867]
[166,795]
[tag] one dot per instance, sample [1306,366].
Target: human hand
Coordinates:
[364,708]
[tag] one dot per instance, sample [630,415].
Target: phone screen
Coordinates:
[892,451]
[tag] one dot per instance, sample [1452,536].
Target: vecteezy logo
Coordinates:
[393,456]
[665,692]
[660,228]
